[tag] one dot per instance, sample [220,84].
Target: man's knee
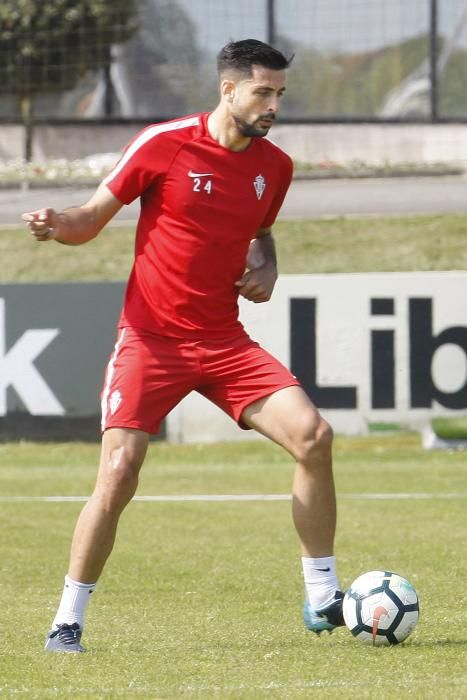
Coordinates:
[313,442]
[123,467]
[118,474]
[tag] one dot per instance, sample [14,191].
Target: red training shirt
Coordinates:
[201,205]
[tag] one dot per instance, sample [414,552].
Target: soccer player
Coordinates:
[210,188]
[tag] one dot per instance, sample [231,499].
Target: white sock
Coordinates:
[74,601]
[320,578]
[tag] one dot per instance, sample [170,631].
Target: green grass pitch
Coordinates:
[304,246]
[202,599]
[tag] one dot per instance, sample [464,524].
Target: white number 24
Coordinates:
[198,185]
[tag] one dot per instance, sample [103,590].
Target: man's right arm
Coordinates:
[75,225]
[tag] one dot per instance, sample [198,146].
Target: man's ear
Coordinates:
[228,90]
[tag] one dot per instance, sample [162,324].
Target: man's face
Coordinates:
[255,100]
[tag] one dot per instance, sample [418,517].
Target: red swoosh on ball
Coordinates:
[378,613]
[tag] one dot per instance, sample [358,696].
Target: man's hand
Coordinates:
[74,225]
[42,223]
[257,285]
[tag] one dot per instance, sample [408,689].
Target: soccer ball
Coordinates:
[381,608]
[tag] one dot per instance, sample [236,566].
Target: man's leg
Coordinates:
[122,455]
[290,419]
[123,452]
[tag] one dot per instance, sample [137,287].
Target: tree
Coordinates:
[349,84]
[412,95]
[46,47]
[157,74]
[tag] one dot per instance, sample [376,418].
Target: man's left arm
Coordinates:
[258,282]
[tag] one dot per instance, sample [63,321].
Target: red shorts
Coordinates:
[148,375]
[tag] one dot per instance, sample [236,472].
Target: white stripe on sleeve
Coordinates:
[146,136]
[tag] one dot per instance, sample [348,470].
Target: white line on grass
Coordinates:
[241,497]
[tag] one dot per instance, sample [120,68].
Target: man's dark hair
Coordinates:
[242,55]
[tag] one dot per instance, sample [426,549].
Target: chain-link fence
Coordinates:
[153,59]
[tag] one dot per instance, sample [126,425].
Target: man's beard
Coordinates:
[253,129]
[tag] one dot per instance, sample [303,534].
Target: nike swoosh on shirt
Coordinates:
[192,174]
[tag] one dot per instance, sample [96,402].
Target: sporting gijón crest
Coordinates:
[260,185]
